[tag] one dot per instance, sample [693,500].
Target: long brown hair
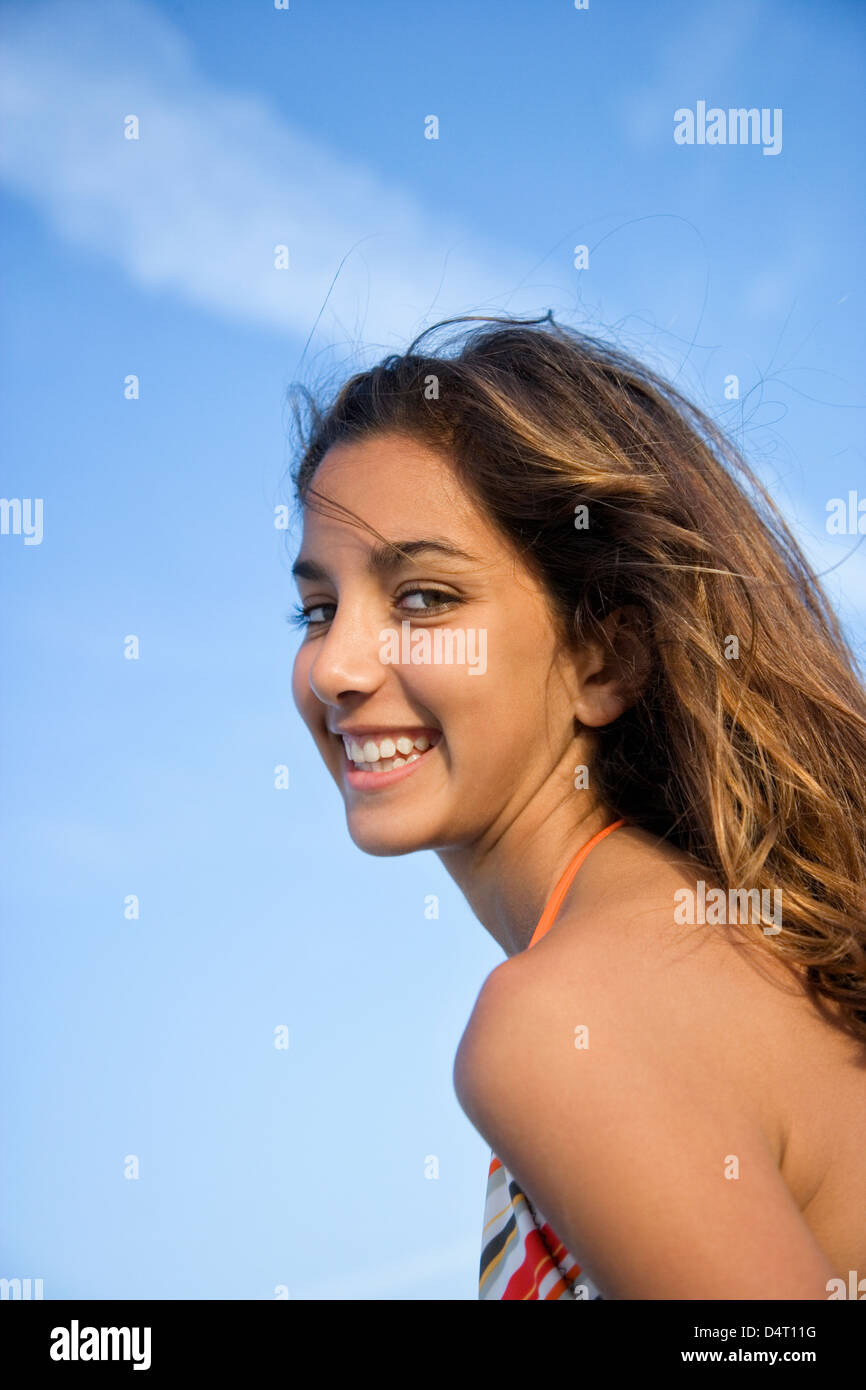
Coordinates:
[754,763]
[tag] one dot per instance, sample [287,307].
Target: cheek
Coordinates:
[510,706]
[305,701]
[477,712]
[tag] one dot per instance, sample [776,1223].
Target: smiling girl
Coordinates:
[669,732]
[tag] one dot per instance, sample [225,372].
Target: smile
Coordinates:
[385,752]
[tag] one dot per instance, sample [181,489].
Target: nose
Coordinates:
[347,659]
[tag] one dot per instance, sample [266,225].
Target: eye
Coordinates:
[437,594]
[306,617]
[315,614]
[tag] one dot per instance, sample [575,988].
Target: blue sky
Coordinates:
[305,1167]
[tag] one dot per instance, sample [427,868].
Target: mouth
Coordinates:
[379,759]
[382,752]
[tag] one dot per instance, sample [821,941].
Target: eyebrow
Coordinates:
[388,556]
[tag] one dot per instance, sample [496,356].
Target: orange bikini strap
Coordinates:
[554,902]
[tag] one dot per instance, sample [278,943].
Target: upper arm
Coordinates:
[639,1146]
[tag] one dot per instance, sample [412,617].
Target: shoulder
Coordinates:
[626,993]
[619,1070]
[626,984]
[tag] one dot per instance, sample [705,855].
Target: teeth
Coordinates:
[371,756]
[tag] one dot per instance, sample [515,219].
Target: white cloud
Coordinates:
[216,181]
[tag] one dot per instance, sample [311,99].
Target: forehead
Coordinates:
[400,486]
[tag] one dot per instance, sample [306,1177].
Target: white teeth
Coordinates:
[371,756]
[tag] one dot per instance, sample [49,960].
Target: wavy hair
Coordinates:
[754,764]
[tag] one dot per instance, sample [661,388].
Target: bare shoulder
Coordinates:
[624,976]
[631,1071]
[641,949]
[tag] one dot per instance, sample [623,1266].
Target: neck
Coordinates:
[508,875]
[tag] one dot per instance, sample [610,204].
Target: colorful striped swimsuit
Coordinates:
[521,1257]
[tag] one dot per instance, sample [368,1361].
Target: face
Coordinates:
[429,751]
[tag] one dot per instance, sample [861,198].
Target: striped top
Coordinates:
[521,1256]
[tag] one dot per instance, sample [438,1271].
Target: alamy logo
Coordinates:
[737,126]
[441,646]
[21,1288]
[847,518]
[101,1344]
[856,1287]
[22,516]
[719,908]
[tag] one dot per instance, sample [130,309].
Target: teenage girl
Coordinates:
[670,1063]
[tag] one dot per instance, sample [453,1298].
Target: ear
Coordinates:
[612,670]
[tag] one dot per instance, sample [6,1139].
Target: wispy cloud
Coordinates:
[216,180]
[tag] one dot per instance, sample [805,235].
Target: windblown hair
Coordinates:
[756,765]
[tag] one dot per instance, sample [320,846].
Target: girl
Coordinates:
[670,1065]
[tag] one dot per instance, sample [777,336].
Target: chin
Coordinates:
[387,839]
